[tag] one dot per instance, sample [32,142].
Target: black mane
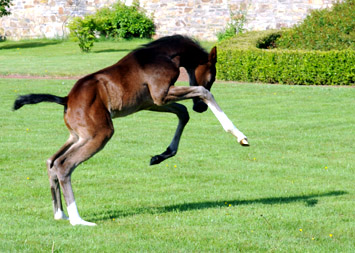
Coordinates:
[174,40]
[190,51]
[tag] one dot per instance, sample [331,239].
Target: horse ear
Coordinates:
[213,55]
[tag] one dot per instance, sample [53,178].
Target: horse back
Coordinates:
[127,86]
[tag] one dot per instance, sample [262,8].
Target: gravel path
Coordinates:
[182,78]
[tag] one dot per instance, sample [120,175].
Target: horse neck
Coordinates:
[191,55]
[190,58]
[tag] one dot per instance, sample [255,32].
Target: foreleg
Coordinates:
[183,115]
[183,93]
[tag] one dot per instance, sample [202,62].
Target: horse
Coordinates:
[143,80]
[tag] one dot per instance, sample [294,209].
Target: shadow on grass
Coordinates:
[28,44]
[309,200]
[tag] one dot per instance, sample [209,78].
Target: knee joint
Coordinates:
[204,93]
[58,163]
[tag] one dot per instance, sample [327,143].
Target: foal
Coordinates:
[142,80]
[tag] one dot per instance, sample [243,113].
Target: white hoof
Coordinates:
[244,142]
[59,215]
[81,222]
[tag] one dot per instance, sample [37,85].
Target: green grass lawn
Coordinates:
[214,195]
[59,58]
[62,58]
[292,190]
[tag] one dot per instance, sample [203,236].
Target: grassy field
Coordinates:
[59,58]
[62,58]
[292,190]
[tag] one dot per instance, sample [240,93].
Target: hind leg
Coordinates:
[64,165]
[53,180]
[89,120]
[93,130]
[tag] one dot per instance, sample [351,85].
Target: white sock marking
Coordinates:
[75,218]
[59,215]
[226,123]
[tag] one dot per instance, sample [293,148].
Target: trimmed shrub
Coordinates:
[118,22]
[289,67]
[245,57]
[323,29]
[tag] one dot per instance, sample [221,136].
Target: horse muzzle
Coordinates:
[199,106]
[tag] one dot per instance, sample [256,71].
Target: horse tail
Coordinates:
[38,98]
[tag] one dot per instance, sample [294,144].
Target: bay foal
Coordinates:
[142,80]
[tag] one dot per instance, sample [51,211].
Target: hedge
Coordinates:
[240,60]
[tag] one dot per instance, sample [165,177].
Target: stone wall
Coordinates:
[204,18]
[45,18]
[199,18]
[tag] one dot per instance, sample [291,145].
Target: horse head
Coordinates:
[205,75]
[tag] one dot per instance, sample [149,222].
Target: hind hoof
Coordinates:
[244,142]
[81,222]
[59,215]
[156,160]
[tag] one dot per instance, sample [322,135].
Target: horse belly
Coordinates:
[122,113]
[131,102]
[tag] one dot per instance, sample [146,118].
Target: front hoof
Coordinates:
[244,142]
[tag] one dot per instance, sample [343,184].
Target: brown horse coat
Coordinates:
[142,80]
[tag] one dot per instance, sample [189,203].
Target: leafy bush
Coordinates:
[4,7]
[324,29]
[235,26]
[239,59]
[83,30]
[119,21]
[124,22]
[229,32]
